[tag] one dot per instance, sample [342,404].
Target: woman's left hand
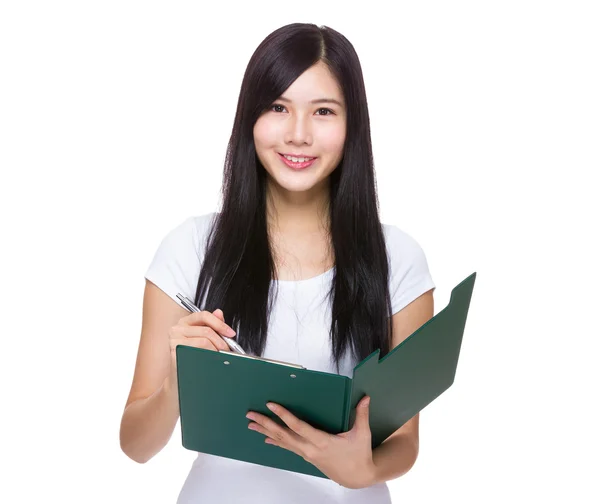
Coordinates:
[345,458]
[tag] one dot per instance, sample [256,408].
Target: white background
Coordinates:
[114,119]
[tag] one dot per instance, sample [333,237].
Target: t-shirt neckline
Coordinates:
[306,280]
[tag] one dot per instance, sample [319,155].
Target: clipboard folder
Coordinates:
[217,389]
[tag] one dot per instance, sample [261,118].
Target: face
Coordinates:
[299,124]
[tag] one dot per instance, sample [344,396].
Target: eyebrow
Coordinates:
[319,100]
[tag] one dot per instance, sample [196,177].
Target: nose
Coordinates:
[298,131]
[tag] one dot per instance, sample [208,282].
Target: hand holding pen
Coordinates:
[200,330]
[210,329]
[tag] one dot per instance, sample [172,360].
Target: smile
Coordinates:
[298,165]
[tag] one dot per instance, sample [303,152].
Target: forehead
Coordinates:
[315,83]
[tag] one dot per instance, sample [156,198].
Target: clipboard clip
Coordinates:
[273,361]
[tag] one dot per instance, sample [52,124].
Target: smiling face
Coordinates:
[300,124]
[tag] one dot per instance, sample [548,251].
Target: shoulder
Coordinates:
[204,222]
[202,226]
[409,275]
[176,263]
[400,244]
[191,232]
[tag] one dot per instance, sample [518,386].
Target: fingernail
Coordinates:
[230,332]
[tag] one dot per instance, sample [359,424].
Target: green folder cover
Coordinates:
[217,389]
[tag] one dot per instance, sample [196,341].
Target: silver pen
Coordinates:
[235,347]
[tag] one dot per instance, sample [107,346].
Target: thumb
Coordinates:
[362,414]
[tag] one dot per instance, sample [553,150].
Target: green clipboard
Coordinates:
[217,389]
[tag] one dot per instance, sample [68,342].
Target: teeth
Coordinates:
[297,160]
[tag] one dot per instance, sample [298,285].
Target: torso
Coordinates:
[302,258]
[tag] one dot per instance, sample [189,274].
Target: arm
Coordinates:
[148,423]
[152,408]
[398,453]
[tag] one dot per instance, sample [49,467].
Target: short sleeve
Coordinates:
[176,264]
[409,271]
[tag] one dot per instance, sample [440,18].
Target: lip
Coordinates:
[296,155]
[297,166]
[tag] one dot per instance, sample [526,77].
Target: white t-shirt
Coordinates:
[298,332]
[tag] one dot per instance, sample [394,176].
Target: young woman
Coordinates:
[298,266]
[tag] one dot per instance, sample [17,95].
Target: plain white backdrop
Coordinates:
[114,119]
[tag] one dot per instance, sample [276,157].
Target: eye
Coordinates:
[276,107]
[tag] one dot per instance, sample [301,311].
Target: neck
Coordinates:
[298,213]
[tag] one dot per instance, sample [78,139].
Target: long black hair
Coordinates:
[238,267]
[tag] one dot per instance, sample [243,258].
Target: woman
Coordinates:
[299,264]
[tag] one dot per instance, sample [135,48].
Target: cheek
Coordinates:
[264,134]
[332,140]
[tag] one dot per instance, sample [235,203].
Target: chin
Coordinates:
[295,188]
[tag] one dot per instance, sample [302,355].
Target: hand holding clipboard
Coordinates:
[408,378]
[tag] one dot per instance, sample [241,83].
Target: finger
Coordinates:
[296,425]
[280,436]
[204,343]
[193,332]
[208,319]
[207,344]
[272,429]
[362,414]
[269,439]
[260,429]
[219,314]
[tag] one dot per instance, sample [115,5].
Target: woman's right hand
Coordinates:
[200,330]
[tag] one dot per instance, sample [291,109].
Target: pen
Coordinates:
[235,347]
